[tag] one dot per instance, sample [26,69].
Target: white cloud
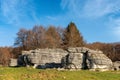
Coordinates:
[99,8]
[91,8]
[74,7]
[64,3]
[95,10]
[8,10]
[16,11]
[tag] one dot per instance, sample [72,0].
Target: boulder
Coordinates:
[48,58]
[72,58]
[99,60]
[116,65]
[13,62]
[87,59]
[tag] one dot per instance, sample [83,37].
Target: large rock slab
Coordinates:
[74,58]
[86,58]
[48,57]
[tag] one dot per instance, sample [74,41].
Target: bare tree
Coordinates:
[5,54]
[21,38]
[53,39]
[39,36]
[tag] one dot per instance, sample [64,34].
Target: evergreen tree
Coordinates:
[72,37]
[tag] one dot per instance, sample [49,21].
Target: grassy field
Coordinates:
[7,73]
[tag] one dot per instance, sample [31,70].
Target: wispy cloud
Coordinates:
[95,10]
[91,8]
[73,6]
[8,10]
[99,8]
[16,11]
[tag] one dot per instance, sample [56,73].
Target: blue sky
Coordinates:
[97,20]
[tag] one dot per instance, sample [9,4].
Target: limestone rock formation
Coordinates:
[46,58]
[86,58]
[116,65]
[13,62]
[72,58]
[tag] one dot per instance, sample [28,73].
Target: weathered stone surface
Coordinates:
[99,60]
[116,65]
[13,62]
[94,58]
[48,57]
[75,58]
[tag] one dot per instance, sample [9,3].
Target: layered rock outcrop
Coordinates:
[72,58]
[88,59]
[116,65]
[46,58]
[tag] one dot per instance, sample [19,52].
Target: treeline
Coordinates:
[51,37]
[54,37]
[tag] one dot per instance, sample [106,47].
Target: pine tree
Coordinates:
[72,37]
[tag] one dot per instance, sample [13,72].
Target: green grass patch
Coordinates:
[21,73]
